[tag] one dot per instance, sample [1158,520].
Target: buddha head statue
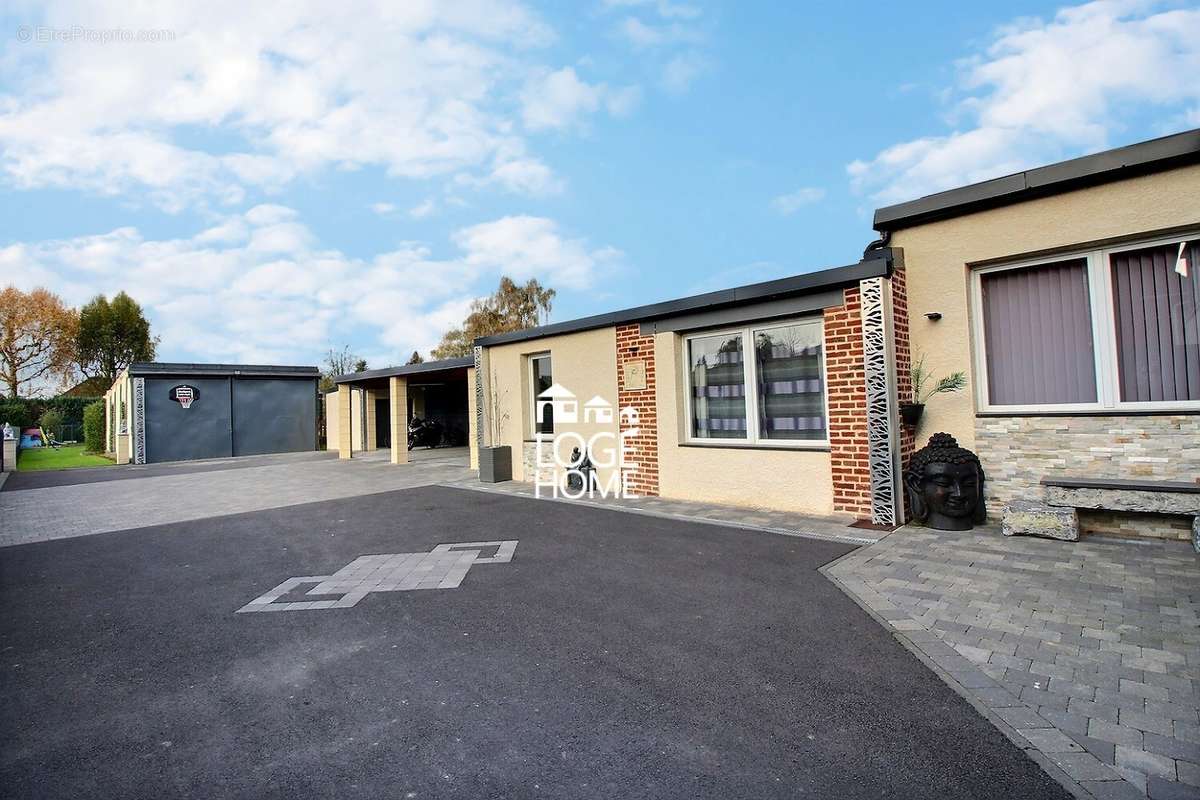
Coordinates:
[945,485]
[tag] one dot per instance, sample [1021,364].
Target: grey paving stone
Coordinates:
[1051,740]
[1065,721]
[1142,761]
[1081,766]
[1189,772]
[997,698]
[1022,718]
[1112,790]
[1159,789]
[1143,690]
[1105,751]
[1146,722]
[1087,708]
[1117,734]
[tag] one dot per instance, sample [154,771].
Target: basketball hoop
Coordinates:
[184,395]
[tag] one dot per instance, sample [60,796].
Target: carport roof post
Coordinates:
[875,264]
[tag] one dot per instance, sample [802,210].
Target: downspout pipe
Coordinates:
[879,243]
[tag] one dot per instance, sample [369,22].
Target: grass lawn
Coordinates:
[65,457]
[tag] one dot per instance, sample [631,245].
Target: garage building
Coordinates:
[180,412]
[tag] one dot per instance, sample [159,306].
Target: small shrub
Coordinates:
[52,423]
[93,427]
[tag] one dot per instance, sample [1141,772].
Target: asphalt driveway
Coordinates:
[616,655]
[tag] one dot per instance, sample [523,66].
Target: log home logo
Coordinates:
[568,462]
[185,395]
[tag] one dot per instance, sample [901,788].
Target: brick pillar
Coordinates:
[632,348]
[344,421]
[847,407]
[398,412]
[370,432]
[904,389]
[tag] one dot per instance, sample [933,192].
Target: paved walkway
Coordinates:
[198,490]
[829,528]
[1087,653]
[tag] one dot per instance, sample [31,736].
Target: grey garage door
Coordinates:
[273,416]
[174,433]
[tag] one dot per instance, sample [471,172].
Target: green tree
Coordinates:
[112,335]
[513,307]
[415,358]
[360,365]
[51,422]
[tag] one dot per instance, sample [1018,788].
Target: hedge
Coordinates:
[24,412]
[93,427]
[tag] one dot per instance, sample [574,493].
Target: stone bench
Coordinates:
[1057,516]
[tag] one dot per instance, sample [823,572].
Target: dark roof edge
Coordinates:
[406,369]
[250,370]
[1155,155]
[875,264]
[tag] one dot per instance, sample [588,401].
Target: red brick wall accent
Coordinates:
[848,396]
[908,436]
[847,407]
[632,346]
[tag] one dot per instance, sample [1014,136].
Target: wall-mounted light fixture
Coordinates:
[933,316]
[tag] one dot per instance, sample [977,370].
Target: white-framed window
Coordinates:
[541,378]
[1114,328]
[757,385]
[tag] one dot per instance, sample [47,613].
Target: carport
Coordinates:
[370,411]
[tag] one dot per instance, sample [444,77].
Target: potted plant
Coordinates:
[495,461]
[922,390]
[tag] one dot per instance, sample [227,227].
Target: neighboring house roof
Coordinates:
[156,368]
[406,369]
[875,264]
[597,402]
[1142,158]
[89,387]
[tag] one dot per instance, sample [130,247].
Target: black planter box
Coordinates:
[910,413]
[495,464]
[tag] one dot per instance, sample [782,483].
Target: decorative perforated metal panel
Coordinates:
[879,365]
[139,420]
[480,377]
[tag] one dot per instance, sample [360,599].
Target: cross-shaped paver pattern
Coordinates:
[444,567]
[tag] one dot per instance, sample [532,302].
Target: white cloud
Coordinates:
[524,246]
[665,9]
[681,70]
[423,209]
[559,99]
[1043,91]
[383,209]
[790,203]
[256,288]
[417,89]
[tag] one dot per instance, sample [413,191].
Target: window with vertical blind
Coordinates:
[762,384]
[1115,328]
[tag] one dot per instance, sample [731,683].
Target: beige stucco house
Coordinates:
[1067,294]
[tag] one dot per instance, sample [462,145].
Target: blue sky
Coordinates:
[271,183]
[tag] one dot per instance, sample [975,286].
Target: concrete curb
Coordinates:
[857,541]
[1001,708]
